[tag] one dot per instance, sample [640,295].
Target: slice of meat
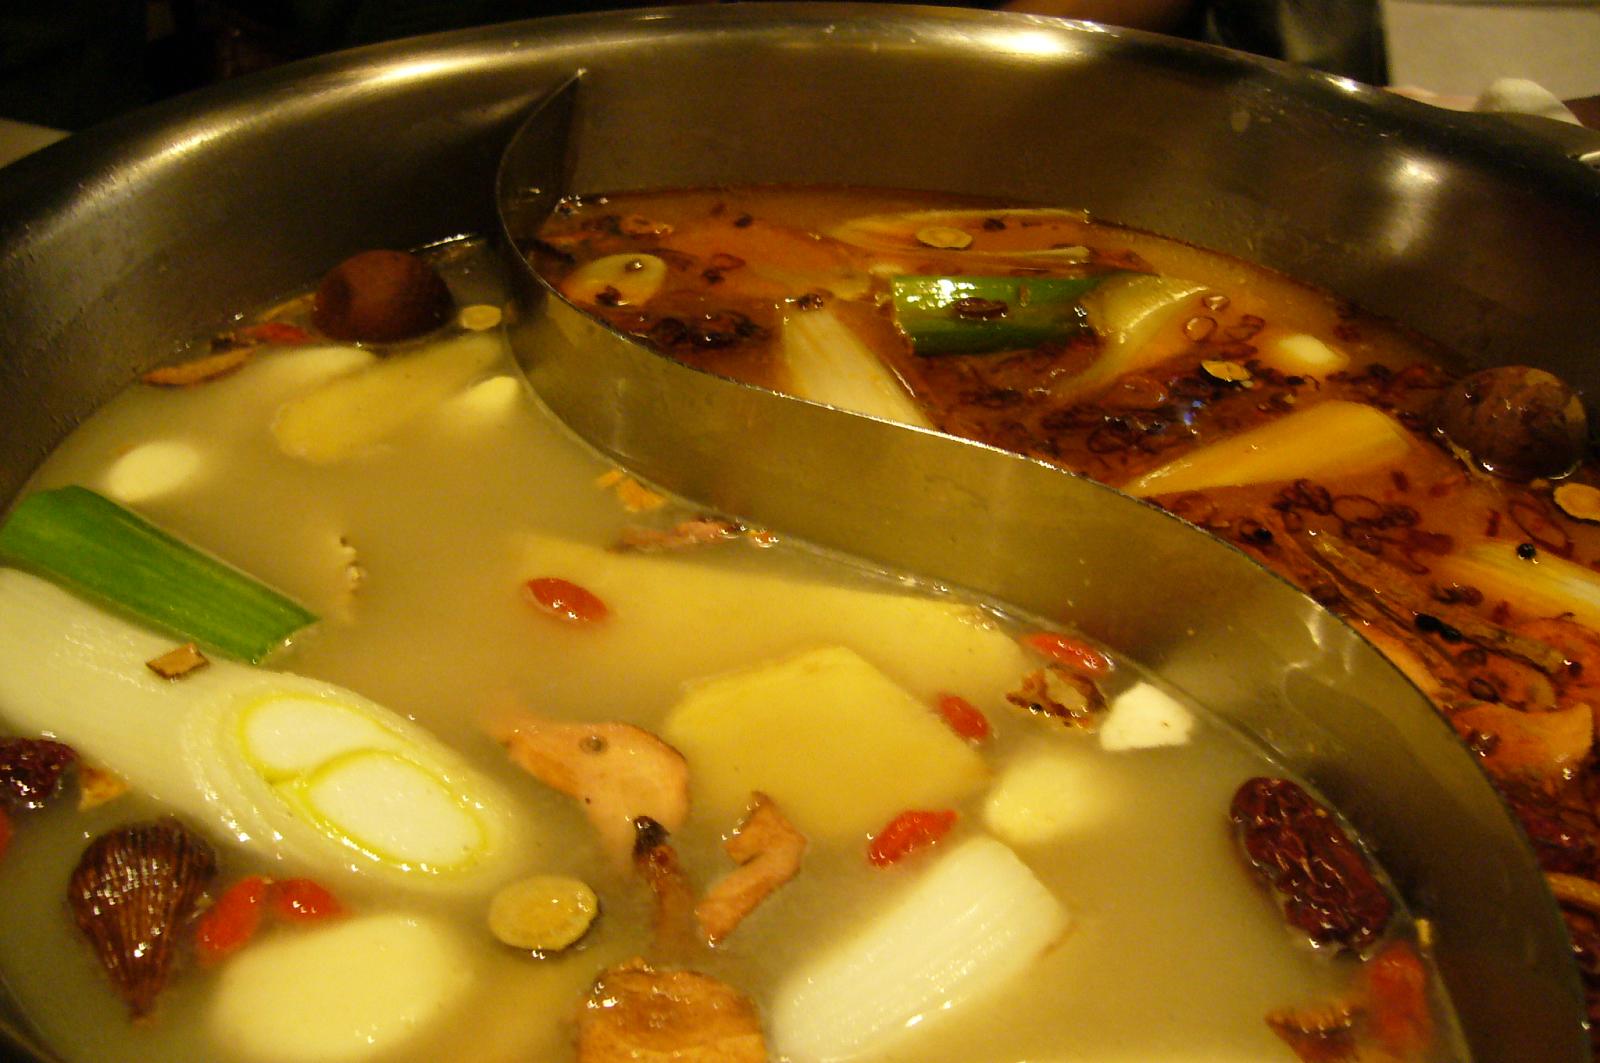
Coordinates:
[767,848]
[619,772]
[637,1014]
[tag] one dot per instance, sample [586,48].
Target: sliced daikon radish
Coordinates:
[293,768]
[969,924]
[1144,717]
[393,810]
[829,363]
[348,991]
[151,470]
[1042,797]
[1335,438]
[1303,354]
[353,412]
[827,737]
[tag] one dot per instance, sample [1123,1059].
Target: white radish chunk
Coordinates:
[151,470]
[969,924]
[392,809]
[1144,717]
[1042,797]
[349,991]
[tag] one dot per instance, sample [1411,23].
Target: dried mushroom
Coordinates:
[1514,421]
[640,1014]
[131,891]
[381,297]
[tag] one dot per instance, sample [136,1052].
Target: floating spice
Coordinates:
[944,237]
[131,891]
[179,662]
[1225,372]
[199,370]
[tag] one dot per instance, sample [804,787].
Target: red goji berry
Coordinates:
[566,600]
[5,832]
[907,833]
[1074,653]
[964,718]
[300,900]
[231,923]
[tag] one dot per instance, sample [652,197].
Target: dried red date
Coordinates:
[1324,884]
[30,769]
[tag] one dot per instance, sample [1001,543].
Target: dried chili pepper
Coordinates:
[565,600]
[5,832]
[30,769]
[964,718]
[1325,885]
[907,833]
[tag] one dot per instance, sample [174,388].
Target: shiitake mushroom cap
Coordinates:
[381,297]
[1514,421]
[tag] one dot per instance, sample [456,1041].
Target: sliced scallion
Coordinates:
[977,315]
[95,547]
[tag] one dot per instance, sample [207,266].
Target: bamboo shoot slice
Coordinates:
[1334,438]
[970,923]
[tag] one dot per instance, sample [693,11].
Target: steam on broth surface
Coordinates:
[411,515]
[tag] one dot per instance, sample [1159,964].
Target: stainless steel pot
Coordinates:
[121,244]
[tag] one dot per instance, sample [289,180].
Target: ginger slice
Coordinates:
[619,773]
[639,1014]
[767,848]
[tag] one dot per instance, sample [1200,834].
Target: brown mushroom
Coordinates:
[1514,421]
[381,297]
[639,1014]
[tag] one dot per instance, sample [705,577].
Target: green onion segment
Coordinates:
[977,315]
[93,546]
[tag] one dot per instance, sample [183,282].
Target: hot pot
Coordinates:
[121,244]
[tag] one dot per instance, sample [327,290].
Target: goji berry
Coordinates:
[5,832]
[964,718]
[907,833]
[1074,653]
[300,900]
[231,923]
[566,600]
